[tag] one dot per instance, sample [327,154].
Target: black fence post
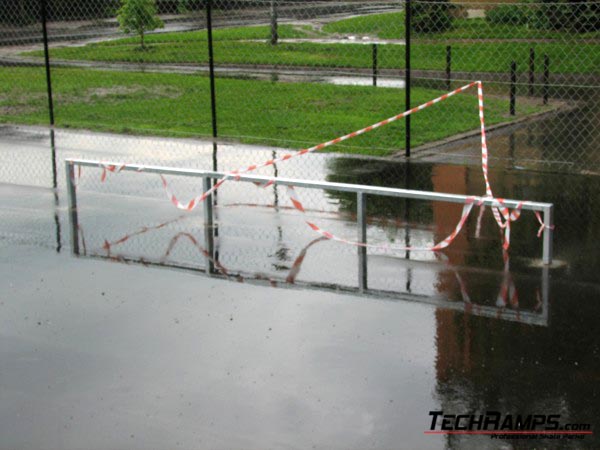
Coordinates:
[531,71]
[407,26]
[274,32]
[213,106]
[546,78]
[375,70]
[211,66]
[448,66]
[44,14]
[513,81]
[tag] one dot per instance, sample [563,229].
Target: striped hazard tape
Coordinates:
[502,214]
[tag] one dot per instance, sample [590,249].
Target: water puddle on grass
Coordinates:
[366,81]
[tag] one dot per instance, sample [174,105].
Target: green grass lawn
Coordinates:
[285,114]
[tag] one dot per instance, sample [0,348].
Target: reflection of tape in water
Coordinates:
[108,245]
[501,212]
[507,298]
[507,292]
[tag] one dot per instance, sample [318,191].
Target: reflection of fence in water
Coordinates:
[501,300]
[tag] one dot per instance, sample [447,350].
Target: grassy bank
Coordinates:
[285,114]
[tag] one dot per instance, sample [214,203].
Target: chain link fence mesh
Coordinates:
[294,73]
[291,74]
[545,55]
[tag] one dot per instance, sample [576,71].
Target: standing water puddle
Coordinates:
[507,335]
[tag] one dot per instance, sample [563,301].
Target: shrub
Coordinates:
[507,15]
[574,16]
[432,17]
[577,16]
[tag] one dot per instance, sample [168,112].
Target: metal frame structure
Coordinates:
[361,192]
[547,209]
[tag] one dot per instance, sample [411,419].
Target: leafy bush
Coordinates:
[577,16]
[431,17]
[574,16]
[508,15]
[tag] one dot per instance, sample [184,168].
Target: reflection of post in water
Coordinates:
[545,293]
[282,251]
[275,174]
[407,225]
[507,296]
[511,148]
[361,216]
[215,168]
[529,136]
[55,190]
[53,149]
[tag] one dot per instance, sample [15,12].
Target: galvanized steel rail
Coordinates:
[546,209]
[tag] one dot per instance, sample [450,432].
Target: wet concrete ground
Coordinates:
[102,351]
[172,360]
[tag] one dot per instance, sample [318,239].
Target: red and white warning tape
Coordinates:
[502,214]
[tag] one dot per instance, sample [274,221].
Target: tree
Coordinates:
[139,16]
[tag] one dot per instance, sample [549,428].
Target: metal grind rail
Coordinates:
[212,266]
[361,191]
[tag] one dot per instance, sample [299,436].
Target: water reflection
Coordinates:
[365,81]
[55,192]
[485,365]
[487,293]
[503,365]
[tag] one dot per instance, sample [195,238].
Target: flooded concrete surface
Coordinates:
[133,344]
[92,360]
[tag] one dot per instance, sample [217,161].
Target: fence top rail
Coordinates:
[310,184]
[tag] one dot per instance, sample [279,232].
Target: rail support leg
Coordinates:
[73,219]
[548,222]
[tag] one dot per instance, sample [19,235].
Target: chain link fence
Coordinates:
[543,57]
[295,73]
[225,84]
